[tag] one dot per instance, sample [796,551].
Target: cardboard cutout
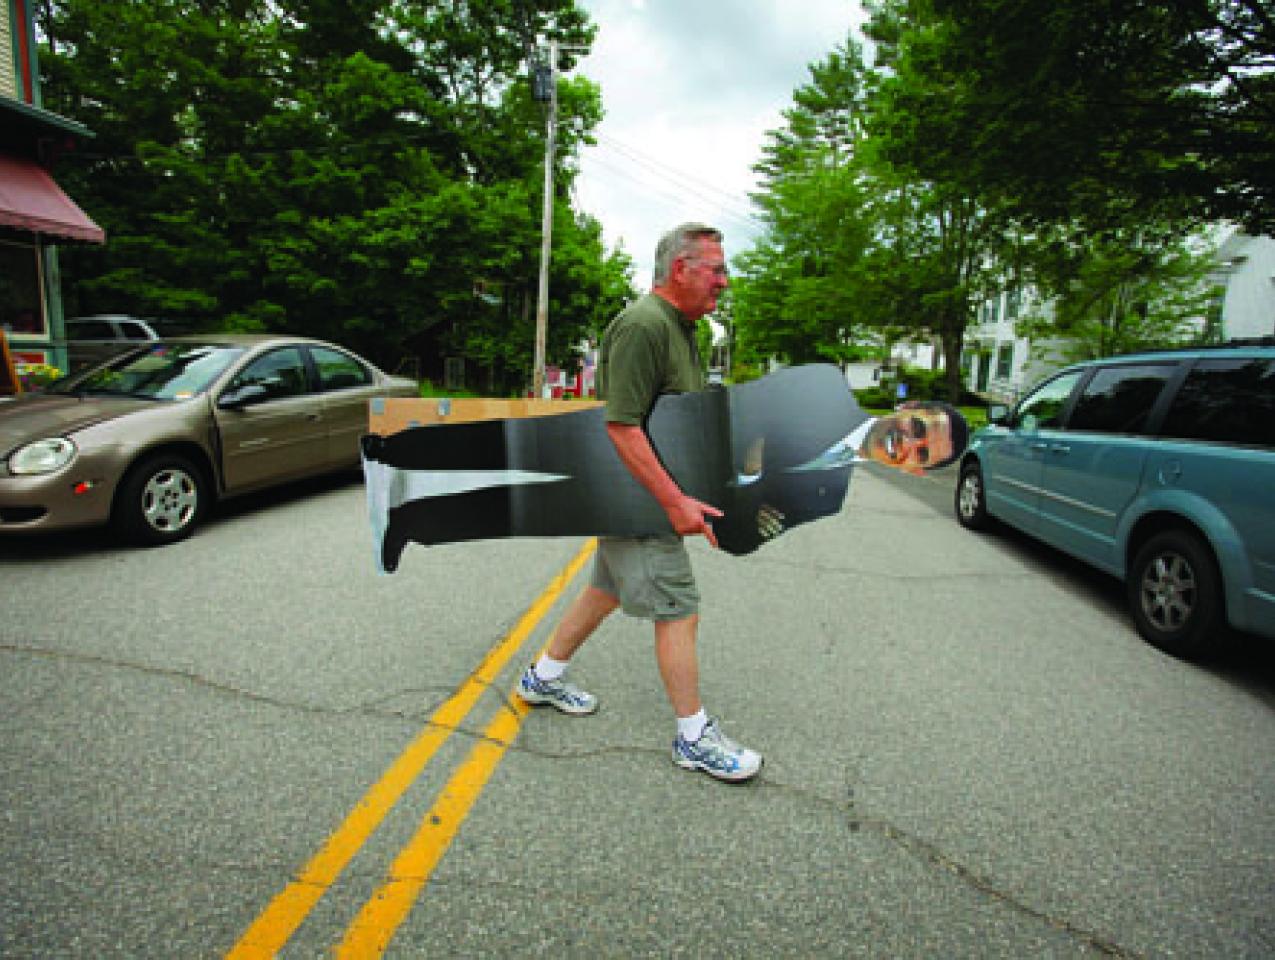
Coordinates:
[771,454]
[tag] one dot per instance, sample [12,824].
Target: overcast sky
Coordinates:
[689,90]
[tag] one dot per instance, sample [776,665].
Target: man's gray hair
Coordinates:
[678,242]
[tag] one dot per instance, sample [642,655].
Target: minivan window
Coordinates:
[1043,407]
[1226,399]
[1119,399]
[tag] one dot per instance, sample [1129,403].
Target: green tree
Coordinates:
[792,299]
[353,170]
[1120,295]
[1103,111]
[859,249]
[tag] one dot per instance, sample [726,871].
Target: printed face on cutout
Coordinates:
[913,439]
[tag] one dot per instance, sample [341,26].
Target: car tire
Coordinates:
[971,498]
[160,500]
[1175,594]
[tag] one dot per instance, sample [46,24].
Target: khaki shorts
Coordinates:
[651,576]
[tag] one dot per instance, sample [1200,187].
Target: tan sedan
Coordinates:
[149,440]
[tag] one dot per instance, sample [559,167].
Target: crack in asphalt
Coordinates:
[914,845]
[369,708]
[926,851]
[930,853]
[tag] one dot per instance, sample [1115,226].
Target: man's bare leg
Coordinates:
[679,665]
[707,748]
[582,618]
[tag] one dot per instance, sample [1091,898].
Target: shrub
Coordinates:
[875,398]
[37,375]
[929,385]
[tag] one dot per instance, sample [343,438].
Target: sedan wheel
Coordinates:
[160,500]
[1175,594]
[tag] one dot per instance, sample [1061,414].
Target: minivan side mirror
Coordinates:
[998,415]
[241,397]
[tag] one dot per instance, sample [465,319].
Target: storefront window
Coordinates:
[21,311]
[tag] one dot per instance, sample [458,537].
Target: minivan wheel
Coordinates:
[1175,594]
[971,502]
[160,500]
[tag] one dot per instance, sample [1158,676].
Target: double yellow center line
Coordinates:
[371,931]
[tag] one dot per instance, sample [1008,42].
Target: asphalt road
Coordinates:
[969,753]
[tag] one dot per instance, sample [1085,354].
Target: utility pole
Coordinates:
[545,89]
[546,224]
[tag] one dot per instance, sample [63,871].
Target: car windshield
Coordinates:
[162,371]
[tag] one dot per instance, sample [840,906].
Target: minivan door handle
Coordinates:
[1040,445]
[1059,448]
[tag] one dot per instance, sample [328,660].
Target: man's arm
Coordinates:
[687,515]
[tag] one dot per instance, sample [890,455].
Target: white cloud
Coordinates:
[689,91]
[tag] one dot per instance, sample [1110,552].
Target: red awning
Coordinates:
[31,200]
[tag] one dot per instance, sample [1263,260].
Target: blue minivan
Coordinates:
[1158,468]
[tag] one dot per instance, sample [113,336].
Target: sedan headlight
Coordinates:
[43,456]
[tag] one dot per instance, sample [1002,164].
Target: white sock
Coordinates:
[548,668]
[691,728]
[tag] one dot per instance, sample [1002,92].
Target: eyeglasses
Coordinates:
[896,441]
[717,269]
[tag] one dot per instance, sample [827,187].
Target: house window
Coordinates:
[21,313]
[1004,361]
[994,310]
[1013,304]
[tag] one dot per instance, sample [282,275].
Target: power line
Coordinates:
[686,180]
[664,169]
[678,196]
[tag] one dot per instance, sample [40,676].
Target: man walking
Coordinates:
[649,350]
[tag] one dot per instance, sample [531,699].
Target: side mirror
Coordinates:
[241,397]
[998,415]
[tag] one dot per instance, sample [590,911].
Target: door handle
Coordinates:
[1059,448]
[1040,445]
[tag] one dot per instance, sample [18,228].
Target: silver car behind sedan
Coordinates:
[149,440]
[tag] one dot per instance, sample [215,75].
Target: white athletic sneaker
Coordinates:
[567,697]
[717,755]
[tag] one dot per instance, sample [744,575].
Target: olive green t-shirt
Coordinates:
[648,350]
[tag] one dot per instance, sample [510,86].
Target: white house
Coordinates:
[999,363]
[1247,269]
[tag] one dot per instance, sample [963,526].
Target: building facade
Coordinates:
[996,362]
[1246,270]
[1000,364]
[35,213]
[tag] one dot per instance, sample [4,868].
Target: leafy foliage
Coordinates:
[792,298]
[994,145]
[1099,110]
[365,171]
[860,250]
[1121,295]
